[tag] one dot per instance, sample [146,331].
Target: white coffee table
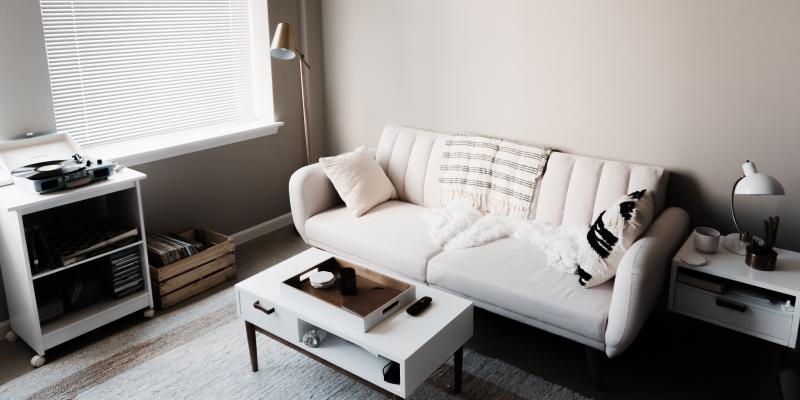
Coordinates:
[419,344]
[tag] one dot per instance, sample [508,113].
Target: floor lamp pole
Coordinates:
[303,65]
[282,48]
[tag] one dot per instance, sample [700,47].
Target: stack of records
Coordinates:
[166,249]
[75,243]
[124,272]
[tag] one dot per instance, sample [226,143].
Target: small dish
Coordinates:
[322,279]
[325,286]
[694,260]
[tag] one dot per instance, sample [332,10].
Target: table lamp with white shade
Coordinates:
[751,183]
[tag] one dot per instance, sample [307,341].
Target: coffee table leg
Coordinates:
[458,361]
[251,344]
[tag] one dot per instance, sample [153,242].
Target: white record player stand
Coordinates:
[118,198]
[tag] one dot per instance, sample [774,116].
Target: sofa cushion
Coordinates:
[359,180]
[576,189]
[407,155]
[513,274]
[573,190]
[393,235]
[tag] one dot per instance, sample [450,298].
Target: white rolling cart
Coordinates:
[119,197]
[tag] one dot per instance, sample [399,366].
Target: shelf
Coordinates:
[355,359]
[724,264]
[118,249]
[103,311]
[738,296]
[24,201]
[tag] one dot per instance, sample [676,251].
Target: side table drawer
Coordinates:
[267,316]
[731,311]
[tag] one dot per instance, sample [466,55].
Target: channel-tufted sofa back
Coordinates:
[573,189]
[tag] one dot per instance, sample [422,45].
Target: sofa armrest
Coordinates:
[310,193]
[640,277]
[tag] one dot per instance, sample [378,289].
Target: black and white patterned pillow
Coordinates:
[612,233]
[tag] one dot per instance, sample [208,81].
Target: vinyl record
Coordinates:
[47,169]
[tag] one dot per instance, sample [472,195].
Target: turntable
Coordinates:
[50,163]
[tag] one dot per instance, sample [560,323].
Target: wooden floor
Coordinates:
[673,358]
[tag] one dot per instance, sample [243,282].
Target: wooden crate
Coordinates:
[185,278]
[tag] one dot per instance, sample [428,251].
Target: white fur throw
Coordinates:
[494,175]
[459,226]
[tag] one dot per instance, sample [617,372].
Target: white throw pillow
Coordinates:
[359,180]
[611,235]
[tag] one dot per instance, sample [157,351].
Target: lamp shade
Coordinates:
[282,46]
[756,183]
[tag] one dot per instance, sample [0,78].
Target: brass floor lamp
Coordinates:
[283,48]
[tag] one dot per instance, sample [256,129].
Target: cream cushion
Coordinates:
[359,180]
[393,236]
[513,275]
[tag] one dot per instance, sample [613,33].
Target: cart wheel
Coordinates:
[11,336]
[37,361]
[149,313]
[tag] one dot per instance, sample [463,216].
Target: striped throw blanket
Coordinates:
[494,175]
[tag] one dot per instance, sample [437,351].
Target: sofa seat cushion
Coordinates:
[513,274]
[393,235]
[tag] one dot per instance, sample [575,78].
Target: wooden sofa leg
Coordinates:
[594,358]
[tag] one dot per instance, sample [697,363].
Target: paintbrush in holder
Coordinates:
[761,254]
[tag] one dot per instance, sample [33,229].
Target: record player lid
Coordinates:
[45,147]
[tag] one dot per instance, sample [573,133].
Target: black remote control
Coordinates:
[420,306]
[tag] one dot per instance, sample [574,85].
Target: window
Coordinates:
[126,69]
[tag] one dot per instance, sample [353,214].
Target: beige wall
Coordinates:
[694,86]
[229,188]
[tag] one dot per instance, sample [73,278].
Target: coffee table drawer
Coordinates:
[733,312]
[267,315]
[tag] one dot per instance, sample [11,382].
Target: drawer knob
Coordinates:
[732,305]
[257,305]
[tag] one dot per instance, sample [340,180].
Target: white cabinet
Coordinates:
[728,293]
[118,197]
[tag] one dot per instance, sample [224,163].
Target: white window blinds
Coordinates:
[122,69]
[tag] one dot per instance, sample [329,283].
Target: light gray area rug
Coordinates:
[200,352]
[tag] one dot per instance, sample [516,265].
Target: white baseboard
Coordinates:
[5,326]
[262,229]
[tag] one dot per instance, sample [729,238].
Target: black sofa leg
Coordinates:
[594,358]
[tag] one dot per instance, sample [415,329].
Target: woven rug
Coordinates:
[200,352]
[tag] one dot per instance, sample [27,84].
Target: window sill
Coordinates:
[158,147]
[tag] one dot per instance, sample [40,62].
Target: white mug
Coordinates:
[706,240]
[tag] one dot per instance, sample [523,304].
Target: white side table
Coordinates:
[758,303]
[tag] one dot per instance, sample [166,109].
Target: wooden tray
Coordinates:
[378,296]
[187,277]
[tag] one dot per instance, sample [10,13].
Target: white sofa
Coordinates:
[508,277]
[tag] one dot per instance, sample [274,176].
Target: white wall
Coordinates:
[24,85]
[694,86]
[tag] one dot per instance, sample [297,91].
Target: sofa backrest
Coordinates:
[573,189]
